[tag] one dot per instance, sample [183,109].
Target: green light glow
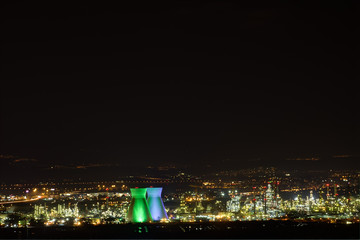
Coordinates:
[138,210]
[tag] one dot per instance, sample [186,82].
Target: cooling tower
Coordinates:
[156,204]
[138,209]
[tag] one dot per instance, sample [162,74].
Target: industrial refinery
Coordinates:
[183,200]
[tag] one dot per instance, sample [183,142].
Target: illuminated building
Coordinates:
[270,196]
[233,205]
[183,206]
[199,207]
[138,209]
[156,204]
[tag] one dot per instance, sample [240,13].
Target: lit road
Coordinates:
[21,201]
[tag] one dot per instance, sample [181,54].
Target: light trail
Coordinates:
[21,201]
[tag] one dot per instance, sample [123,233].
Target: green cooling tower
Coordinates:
[138,209]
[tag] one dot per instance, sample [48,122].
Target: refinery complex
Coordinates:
[184,198]
[184,204]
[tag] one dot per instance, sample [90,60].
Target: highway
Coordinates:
[21,201]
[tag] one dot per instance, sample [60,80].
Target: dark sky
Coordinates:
[184,82]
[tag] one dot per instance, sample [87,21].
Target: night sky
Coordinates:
[185,83]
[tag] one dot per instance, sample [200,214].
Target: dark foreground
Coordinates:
[268,229]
